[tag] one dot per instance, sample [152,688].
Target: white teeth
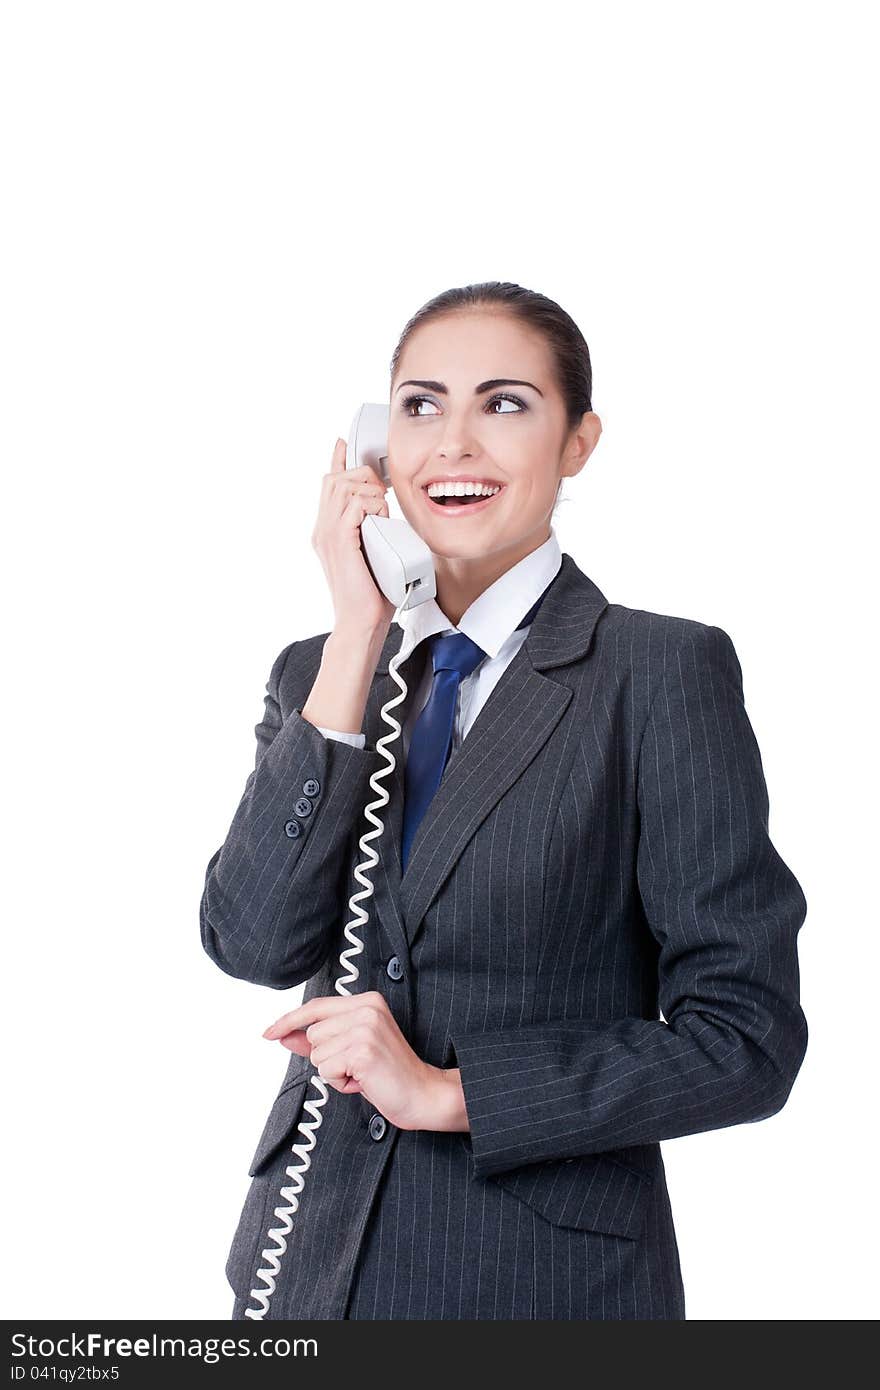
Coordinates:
[462,489]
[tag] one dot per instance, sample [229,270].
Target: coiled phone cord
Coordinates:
[271,1270]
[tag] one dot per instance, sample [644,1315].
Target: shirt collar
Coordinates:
[494,613]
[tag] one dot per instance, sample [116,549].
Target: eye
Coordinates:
[409,401]
[506,396]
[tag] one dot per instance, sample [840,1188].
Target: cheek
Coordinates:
[401,481]
[406,495]
[533,487]
[527,462]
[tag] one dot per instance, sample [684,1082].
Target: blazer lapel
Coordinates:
[516,721]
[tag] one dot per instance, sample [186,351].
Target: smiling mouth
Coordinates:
[461,506]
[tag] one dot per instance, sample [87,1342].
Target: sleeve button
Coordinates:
[293,829]
[311,786]
[303,807]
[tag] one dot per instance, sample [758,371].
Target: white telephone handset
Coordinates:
[398,559]
[403,567]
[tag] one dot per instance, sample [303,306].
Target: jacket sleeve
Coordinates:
[273,899]
[725,911]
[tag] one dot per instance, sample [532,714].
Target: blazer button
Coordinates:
[311,786]
[293,829]
[303,807]
[394,968]
[377,1126]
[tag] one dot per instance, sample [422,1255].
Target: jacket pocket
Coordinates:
[252,1232]
[593,1192]
[283,1117]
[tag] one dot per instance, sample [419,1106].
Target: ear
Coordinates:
[582,441]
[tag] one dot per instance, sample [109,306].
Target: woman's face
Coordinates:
[474,399]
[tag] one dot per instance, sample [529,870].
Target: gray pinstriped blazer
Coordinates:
[597,853]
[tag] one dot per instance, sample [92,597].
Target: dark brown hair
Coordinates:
[568,347]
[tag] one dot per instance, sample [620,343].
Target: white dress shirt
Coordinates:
[490,621]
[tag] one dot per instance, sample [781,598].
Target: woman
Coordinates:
[596,852]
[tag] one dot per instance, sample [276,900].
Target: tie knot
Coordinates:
[455,652]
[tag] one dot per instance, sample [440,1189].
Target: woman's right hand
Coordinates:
[347,496]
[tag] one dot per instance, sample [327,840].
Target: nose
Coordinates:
[457,438]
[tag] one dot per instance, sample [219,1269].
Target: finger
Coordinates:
[366,489]
[337,463]
[322,1006]
[334,1067]
[357,508]
[297,1018]
[374,477]
[365,473]
[297,1042]
[347,1087]
[322,1033]
[354,484]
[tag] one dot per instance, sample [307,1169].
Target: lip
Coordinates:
[440,509]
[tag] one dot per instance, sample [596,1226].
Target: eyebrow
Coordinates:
[442,390]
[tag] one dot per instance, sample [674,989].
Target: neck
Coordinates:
[459,582]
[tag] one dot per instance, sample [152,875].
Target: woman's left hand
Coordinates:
[356,1045]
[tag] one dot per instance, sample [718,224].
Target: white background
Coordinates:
[218,219]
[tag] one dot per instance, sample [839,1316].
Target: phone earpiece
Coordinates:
[401,564]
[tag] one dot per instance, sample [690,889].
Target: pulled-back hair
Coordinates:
[568,347]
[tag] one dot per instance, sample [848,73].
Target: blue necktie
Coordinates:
[454,657]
